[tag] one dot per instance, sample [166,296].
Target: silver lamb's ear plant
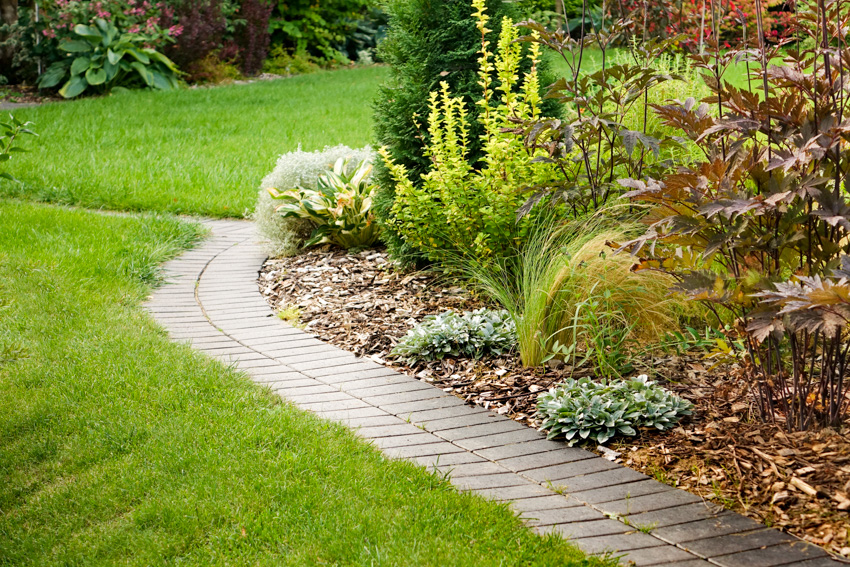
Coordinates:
[599,410]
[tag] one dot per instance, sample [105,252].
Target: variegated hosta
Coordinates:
[340,206]
[760,226]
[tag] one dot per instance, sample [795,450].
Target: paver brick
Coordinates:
[792,553]
[519,449]
[529,506]
[407,408]
[479,468]
[316,361]
[472,431]
[676,515]
[410,386]
[309,399]
[589,529]
[298,390]
[610,477]
[638,504]
[458,419]
[547,459]
[725,523]
[562,516]
[420,438]
[497,439]
[373,421]
[664,554]
[570,470]
[349,404]
[617,542]
[488,481]
[736,543]
[348,370]
[412,396]
[427,416]
[451,459]
[388,430]
[348,375]
[414,451]
[345,414]
[511,493]
[622,491]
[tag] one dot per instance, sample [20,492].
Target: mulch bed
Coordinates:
[25,94]
[799,482]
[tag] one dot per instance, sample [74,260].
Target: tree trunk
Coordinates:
[8,16]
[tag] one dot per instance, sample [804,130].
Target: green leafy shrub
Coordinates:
[340,207]
[10,131]
[472,334]
[286,235]
[458,206]
[427,43]
[600,410]
[565,292]
[758,225]
[320,28]
[285,62]
[104,59]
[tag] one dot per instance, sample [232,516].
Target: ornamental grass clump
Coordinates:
[585,409]
[565,288]
[472,334]
[285,236]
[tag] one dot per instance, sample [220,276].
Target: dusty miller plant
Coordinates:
[759,226]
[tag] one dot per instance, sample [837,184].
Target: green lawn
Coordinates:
[199,151]
[118,447]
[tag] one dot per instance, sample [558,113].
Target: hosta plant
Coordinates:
[285,236]
[340,206]
[472,334]
[101,59]
[758,228]
[585,409]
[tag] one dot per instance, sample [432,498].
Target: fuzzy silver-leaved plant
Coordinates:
[599,410]
[471,334]
[286,235]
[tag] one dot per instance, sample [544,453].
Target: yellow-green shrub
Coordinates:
[467,208]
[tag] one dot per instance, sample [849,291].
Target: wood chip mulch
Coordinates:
[798,482]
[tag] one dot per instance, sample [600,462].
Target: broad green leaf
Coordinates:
[80,65]
[54,74]
[74,87]
[96,76]
[113,57]
[143,72]
[140,57]
[75,46]
[88,32]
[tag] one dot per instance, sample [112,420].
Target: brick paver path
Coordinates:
[213,301]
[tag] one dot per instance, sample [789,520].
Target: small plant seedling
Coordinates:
[557,488]
[292,315]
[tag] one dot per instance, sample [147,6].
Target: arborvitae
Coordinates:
[428,41]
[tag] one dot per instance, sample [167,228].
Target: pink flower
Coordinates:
[134,29]
[175,30]
[48,33]
[103,14]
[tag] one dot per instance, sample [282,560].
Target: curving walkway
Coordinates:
[213,301]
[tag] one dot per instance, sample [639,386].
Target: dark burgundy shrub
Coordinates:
[252,36]
[204,26]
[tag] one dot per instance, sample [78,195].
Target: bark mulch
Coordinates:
[799,482]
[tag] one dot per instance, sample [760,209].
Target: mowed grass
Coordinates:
[118,447]
[198,151]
